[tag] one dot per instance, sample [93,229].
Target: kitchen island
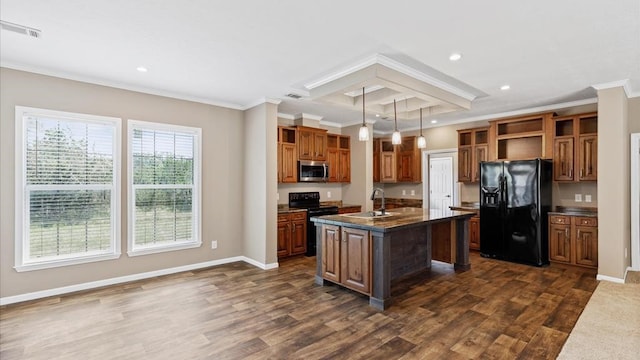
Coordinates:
[366,252]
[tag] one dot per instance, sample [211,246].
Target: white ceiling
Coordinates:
[239,53]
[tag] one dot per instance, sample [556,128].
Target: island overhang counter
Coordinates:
[366,253]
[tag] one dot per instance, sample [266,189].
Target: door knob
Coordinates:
[447,196]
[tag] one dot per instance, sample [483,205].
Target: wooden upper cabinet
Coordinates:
[387,164]
[522,138]
[464,164]
[588,157]
[473,147]
[312,143]
[408,160]
[575,148]
[339,158]
[396,163]
[334,167]
[376,160]
[563,159]
[287,155]
[289,173]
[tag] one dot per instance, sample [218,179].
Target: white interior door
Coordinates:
[440,183]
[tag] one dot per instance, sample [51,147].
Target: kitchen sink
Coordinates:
[371,214]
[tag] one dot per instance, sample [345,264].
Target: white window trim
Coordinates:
[21,202]
[197,179]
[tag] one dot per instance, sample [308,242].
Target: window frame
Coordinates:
[22,203]
[196,193]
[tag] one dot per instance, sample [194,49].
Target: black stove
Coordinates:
[311,202]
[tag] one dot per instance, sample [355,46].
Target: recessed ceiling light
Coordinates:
[455,57]
[141,69]
[505,87]
[434,121]
[377,115]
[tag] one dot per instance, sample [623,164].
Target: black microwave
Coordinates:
[312,171]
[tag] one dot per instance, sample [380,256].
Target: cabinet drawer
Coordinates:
[559,219]
[283,217]
[298,216]
[586,221]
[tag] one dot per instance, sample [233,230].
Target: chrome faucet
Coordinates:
[373,196]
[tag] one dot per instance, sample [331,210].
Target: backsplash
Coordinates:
[563,194]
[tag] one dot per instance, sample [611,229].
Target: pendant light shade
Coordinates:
[363,134]
[396,138]
[422,142]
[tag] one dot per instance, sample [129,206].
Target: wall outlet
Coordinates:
[277,196]
[214,244]
[329,194]
[578,198]
[413,192]
[625,253]
[404,192]
[587,198]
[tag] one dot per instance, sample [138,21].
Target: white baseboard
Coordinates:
[259,264]
[610,279]
[128,278]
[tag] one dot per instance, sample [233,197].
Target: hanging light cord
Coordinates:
[420,121]
[395,116]
[363,106]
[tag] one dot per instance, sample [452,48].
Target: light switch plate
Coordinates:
[578,198]
[413,192]
[587,198]
[329,194]
[404,192]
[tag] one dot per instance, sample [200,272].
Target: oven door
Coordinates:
[312,171]
[311,228]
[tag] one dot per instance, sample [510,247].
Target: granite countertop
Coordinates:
[284,208]
[574,211]
[466,206]
[401,218]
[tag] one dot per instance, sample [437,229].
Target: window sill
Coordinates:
[65,262]
[163,248]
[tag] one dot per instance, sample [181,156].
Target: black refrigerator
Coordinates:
[515,198]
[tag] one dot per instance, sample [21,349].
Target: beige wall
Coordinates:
[222,149]
[358,192]
[634,115]
[614,217]
[324,188]
[260,184]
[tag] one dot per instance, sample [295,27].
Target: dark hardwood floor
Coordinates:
[497,310]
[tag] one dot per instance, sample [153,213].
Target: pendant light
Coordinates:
[396,138]
[363,134]
[422,142]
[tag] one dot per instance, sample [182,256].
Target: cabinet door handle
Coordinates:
[566,232]
[570,173]
[581,173]
[294,227]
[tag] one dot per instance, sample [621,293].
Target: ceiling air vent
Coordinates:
[294,96]
[20,29]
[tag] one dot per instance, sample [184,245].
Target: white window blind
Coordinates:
[164,183]
[67,165]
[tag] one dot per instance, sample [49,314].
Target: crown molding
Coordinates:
[331,124]
[614,84]
[393,65]
[260,102]
[118,85]
[501,115]
[286,116]
[307,116]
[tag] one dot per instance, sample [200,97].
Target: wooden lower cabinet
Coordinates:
[474,233]
[573,240]
[346,257]
[292,234]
